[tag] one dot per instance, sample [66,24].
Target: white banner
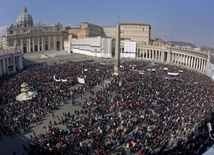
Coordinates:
[81,80]
[175,74]
[54,78]
[153,70]
[141,72]
[120,83]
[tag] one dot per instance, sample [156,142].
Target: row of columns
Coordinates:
[41,47]
[151,54]
[193,62]
[16,61]
[196,63]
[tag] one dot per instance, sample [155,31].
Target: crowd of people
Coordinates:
[148,109]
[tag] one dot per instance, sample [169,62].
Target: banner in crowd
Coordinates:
[64,80]
[102,63]
[151,70]
[54,78]
[58,80]
[120,83]
[175,74]
[141,72]
[81,80]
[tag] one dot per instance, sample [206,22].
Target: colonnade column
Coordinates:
[42,43]
[14,63]
[61,48]
[20,62]
[189,61]
[169,56]
[200,65]
[173,57]
[196,64]
[162,55]
[186,60]
[54,43]
[147,54]
[156,55]
[159,55]
[38,43]
[183,59]
[49,42]
[33,44]
[153,53]
[205,64]
[29,45]
[1,71]
[22,45]
[178,58]
[4,66]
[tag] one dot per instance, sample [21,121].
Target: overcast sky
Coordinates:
[171,20]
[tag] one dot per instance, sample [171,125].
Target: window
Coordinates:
[11,32]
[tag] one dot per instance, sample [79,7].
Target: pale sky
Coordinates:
[171,20]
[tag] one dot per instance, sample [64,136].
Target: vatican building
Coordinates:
[31,37]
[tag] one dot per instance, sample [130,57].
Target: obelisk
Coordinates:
[117,51]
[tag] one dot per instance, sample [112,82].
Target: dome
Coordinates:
[24,19]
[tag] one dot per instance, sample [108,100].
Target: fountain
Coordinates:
[25,93]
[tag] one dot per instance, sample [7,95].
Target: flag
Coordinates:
[120,83]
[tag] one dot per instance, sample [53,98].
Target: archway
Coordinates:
[24,49]
[36,48]
[57,45]
[46,47]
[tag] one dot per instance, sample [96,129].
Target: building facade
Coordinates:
[139,32]
[86,30]
[11,60]
[94,46]
[32,37]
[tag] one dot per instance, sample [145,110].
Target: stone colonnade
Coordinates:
[15,60]
[188,59]
[41,43]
